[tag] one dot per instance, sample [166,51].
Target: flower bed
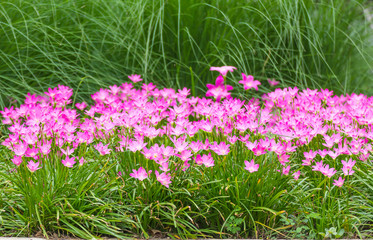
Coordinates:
[234,166]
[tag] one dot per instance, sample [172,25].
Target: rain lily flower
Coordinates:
[164,178]
[207,160]
[347,167]
[318,166]
[339,182]
[249,82]
[329,172]
[140,174]
[223,70]
[33,166]
[81,161]
[135,78]
[296,175]
[251,166]
[307,162]
[310,155]
[20,149]
[45,148]
[219,90]
[102,149]
[286,170]
[170,127]
[68,151]
[17,160]
[69,162]
[221,148]
[81,106]
[272,82]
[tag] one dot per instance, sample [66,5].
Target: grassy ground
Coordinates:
[91,44]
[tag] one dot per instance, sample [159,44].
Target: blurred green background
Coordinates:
[92,44]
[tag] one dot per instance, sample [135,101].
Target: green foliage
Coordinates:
[90,44]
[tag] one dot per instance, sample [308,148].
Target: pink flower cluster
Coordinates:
[286,123]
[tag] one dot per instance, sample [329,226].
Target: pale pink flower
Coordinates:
[219,90]
[137,145]
[164,178]
[17,160]
[286,170]
[339,182]
[68,151]
[249,82]
[102,149]
[32,152]
[296,175]
[329,172]
[307,162]
[318,166]
[81,106]
[347,167]
[68,162]
[46,147]
[272,82]
[310,155]
[81,161]
[140,174]
[207,160]
[32,166]
[221,148]
[135,78]
[20,149]
[251,166]
[223,70]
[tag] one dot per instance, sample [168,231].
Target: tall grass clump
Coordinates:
[89,44]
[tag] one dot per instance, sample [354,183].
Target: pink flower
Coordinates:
[329,172]
[137,145]
[185,155]
[20,149]
[307,162]
[318,166]
[135,78]
[272,82]
[163,178]
[68,151]
[198,159]
[339,182]
[286,170]
[32,152]
[102,149]
[81,106]
[207,160]
[249,82]
[140,174]
[218,91]
[221,148]
[223,70]
[296,175]
[17,160]
[310,155]
[347,167]
[32,166]
[46,147]
[323,153]
[68,162]
[81,161]
[283,158]
[251,166]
